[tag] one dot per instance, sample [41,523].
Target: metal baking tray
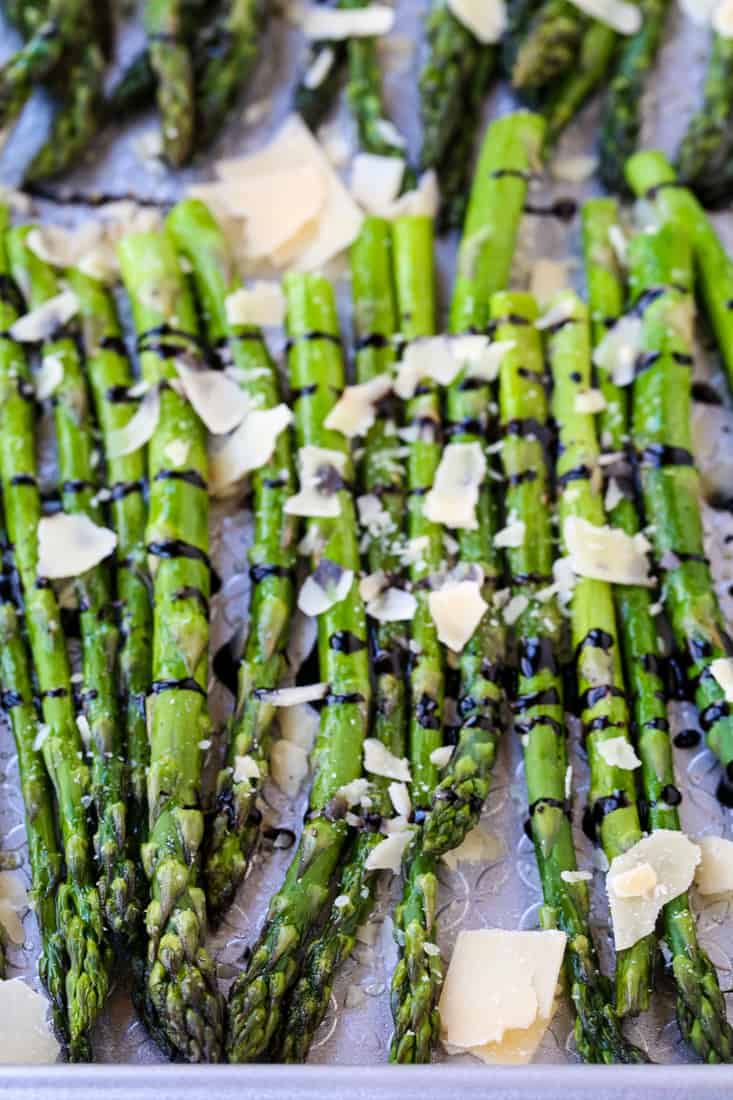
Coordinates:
[504,891]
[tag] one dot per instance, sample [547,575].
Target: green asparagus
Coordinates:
[134,90]
[234,828]
[550,45]
[256,1002]
[519,15]
[538,707]
[172,63]
[700,1006]
[381,475]
[565,100]
[229,47]
[621,121]
[661,288]
[181,981]
[703,158]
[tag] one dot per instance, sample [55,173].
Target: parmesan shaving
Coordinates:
[43,322]
[26,1037]
[623,17]
[288,766]
[352,793]
[14,901]
[722,21]
[477,847]
[618,753]
[722,671]
[547,280]
[355,411]
[456,609]
[245,768]
[400,799]
[299,724]
[139,428]
[335,24]
[486,19]
[607,553]
[454,496]
[376,181]
[49,377]
[430,357]
[69,545]
[619,348]
[387,855]
[380,761]
[262,304]
[321,475]
[573,877]
[220,403]
[392,605]
[292,696]
[576,169]
[714,874]
[441,756]
[590,402]
[327,586]
[637,894]
[248,448]
[511,536]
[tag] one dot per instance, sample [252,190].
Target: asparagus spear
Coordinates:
[700,1006]
[229,46]
[172,63]
[181,980]
[621,121]
[661,288]
[418,976]
[78,117]
[234,829]
[134,90]
[703,157]
[612,808]
[40,818]
[381,474]
[495,209]
[550,45]
[256,1000]
[78,907]
[565,100]
[651,177]
[519,15]
[110,379]
[538,707]
[99,633]
[364,94]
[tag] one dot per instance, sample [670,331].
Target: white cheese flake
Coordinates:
[288,766]
[614,495]
[69,545]
[430,357]
[637,895]
[245,768]
[441,756]
[516,607]
[511,536]
[453,498]
[49,377]
[42,322]
[572,877]
[387,855]
[456,609]
[476,847]
[299,724]
[26,1037]
[623,17]
[486,19]
[215,397]
[319,69]
[562,310]
[400,799]
[548,278]
[575,169]
[356,409]
[722,671]
[248,448]
[590,402]
[327,586]
[714,874]
[618,753]
[335,24]
[376,181]
[177,451]
[392,605]
[607,553]
[380,761]
[139,429]
[722,21]
[354,792]
[14,902]
[321,474]
[618,350]
[292,696]
[261,304]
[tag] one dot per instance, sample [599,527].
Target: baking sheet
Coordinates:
[503,892]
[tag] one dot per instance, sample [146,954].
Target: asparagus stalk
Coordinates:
[381,474]
[234,828]
[495,209]
[256,1002]
[651,177]
[538,707]
[40,817]
[700,1006]
[661,287]
[99,633]
[621,121]
[181,980]
[550,45]
[110,379]
[418,976]
[564,101]
[364,94]
[172,63]
[134,90]
[703,157]
[229,46]
[519,15]
[78,907]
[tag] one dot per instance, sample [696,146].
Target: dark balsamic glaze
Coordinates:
[190,477]
[662,454]
[24,479]
[226,663]
[176,548]
[186,683]
[425,712]
[122,489]
[687,739]
[704,394]
[303,391]
[519,479]
[330,337]
[563,209]
[594,814]
[657,724]
[343,641]
[113,343]
[578,473]
[596,639]
[547,697]
[347,697]
[372,340]
[261,572]
[191,592]
[593,695]
[10,699]
[535,656]
[119,395]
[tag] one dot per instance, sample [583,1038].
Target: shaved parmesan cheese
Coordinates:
[355,411]
[589,401]
[248,448]
[576,876]
[614,495]
[456,609]
[261,304]
[299,724]
[498,982]
[26,1037]
[400,799]
[245,768]
[321,476]
[177,451]
[481,359]
[440,757]
[722,20]
[388,133]
[69,545]
[722,671]
[619,244]
[562,311]
[517,606]
[486,19]
[619,348]
[547,280]
[47,319]
[13,902]
[387,855]
[317,72]
[623,17]
[714,874]
[635,899]
[49,377]
[336,24]
[353,792]
[423,201]
[291,697]
[139,428]
[453,498]
[376,181]
[431,357]
[380,761]
[288,766]
[576,169]
[476,847]
[607,553]
[373,516]
[618,753]
[392,605]
[328,585]
[215,397]
[517,1048]
[511,536]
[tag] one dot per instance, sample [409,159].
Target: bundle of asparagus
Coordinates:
[705,156]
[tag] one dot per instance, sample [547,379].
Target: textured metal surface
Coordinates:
[504,891]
